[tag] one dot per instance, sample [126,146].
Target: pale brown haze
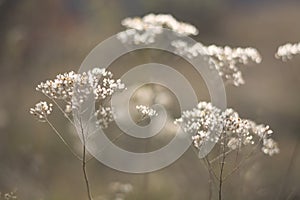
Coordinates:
[149,100]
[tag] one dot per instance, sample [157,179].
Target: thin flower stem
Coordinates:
[113,140]
[84,164]
[63,140]
[211,168]
[242,162]
[222,170]
[210,181]
[220,156]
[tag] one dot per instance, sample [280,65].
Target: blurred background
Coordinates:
[40,39]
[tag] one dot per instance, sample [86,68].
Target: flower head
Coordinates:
[225,60]
[160,21]
[73,89]
[104,116]
[41,110]
[144,30]
[270,147]
[205,123]
[146,111]
[287,51]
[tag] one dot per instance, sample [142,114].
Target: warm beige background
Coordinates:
[42,38]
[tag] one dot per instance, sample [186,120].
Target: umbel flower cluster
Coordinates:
[146,111]
[287,51]
[97,82]
[144,30]
[41,110]
[205,120]
[160,21]
[225,60]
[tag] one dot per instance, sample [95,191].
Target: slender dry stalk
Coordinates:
[222,168]
[210,180]
[85,173]
[63,140]
[84,163]
[238,166]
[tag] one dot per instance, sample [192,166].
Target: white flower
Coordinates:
[146,111]
[224,59]
[41,110]
[68,109]
[73,89]
[104,116]
[206,122]
[287,51]
[201,122]
[234,143]
[59,88]
[270,147]
[144,30]
[159,21]
[97,81]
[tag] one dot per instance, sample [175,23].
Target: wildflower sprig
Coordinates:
[287,51]
[204,120]
[144,30]
[98,82]
[146,111]
[41,110]
[225,60]
[72,89]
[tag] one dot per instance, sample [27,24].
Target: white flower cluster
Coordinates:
[201,122]
[132,36]
[204,121]
[160,21]
[8,196]
[287,51]
[224,59]
[97,82]
[104,116]
[270,147]
[59,88]
[144,30]
[41,110]
[146,111]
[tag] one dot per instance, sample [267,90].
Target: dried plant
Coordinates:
[144,30]
[204,123]
[98,82]
[287,51]
[225,60]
